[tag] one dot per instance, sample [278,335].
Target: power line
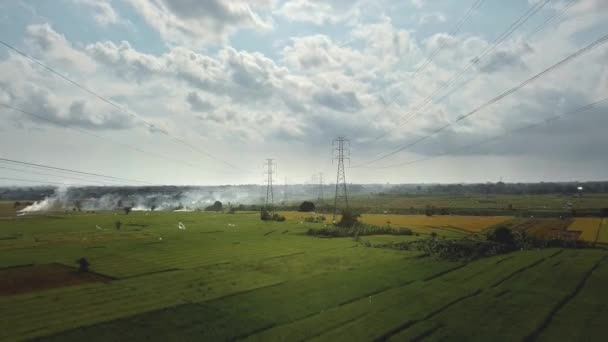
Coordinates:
[36,181]
[83,131]
[52,175]
[117,106]
[457,27]
[500,136]
[551,18]
[497,42]
[71,171]
[555,66]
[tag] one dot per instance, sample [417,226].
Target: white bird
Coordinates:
[181,226]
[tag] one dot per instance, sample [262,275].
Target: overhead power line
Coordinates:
[457,75]
[119,107]
[72,171]
[556,15]
[555,66]
[52,175]
[500,136]
[37,181]
[457,27]
[87,132]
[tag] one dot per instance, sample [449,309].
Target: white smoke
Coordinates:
[177,200]
[56,202]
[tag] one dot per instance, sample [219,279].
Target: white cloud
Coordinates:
[205,22]
[429,18]
[319,12]
[103,12]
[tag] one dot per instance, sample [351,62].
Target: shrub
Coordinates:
[278,218]
[349,219]
[217,206]
[307,206]
[356,231]
[502,235]
[265,214]
[232,210]
[83,265]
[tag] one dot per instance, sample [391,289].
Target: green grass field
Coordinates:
[229,277]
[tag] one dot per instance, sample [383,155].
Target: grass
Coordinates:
[226,277]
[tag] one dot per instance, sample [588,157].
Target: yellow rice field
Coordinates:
[418,222]
[603,235]
[588,226]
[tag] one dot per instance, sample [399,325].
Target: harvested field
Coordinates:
[588,228]
[32,278]
[441,224]
[551,228]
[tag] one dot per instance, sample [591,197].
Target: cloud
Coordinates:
[343,101]
[53,46]
[434,17]
[197,104]
[103,12]
[506,59]
[418,3]
[205,22]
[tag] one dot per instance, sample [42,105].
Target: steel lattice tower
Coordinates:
[321,197]
[341,152]
[271,169]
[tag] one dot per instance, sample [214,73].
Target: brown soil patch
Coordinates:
[32,278]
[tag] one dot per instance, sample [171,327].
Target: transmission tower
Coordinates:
[270,171]
[285,192]
[341,152]
[321,197]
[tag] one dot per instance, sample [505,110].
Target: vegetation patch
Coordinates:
[358,230]
[498,241]
[33,278]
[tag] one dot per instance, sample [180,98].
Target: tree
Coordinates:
[502,235]
[429,211]
[265,215]
[83,265]
[16,204]
[153,207]
[307,206]
[127,210]
[119,204]
[217,206]
[78,206]
[349,219]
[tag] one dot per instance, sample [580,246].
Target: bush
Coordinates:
[232,210]
[265,215]
[278,218]
[502,235]
[217,206]
[356,231]
[307,207]
[349,219]
[314,219]
[83,265]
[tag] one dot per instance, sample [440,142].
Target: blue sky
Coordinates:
[242,81]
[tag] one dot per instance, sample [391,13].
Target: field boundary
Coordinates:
[547,320]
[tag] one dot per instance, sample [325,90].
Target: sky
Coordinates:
[202,92]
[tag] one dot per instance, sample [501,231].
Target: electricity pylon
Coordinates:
[341,152]
[270,171]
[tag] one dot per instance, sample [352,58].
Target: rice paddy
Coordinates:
[234,277]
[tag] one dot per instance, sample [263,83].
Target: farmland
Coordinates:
[231,276]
